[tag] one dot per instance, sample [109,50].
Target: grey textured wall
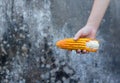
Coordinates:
[29,30]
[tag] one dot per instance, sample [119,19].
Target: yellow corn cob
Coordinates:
[81,43]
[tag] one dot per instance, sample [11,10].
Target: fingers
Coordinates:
[77,35]
[81,33]
[81,51]
[78,51]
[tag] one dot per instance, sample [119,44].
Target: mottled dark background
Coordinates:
[29,30]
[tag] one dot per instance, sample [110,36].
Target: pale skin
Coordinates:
[94,20]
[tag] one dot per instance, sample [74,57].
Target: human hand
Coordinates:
[87,32]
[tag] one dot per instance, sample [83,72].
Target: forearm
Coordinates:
[97,13]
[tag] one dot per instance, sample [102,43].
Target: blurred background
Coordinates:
[29,30]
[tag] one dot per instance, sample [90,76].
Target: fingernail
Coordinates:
[75,38]
[84,50]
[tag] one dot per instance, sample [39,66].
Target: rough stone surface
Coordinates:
[29,30]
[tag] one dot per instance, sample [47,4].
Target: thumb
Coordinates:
[77,35]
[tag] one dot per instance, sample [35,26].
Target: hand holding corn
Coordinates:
[85,32]
[94,20]
[90,45]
